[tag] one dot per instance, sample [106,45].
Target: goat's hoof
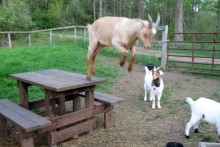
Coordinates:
[129,69]
[187,137]
[196,130]
[121,63]
[88,78]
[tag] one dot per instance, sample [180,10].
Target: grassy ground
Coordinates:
[65,57]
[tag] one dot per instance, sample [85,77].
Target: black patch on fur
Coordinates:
[156,82]
[197,130]
[187,137]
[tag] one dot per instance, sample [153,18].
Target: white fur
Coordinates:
[203,109]
[154,91]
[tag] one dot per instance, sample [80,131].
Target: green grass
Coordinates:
[67,57]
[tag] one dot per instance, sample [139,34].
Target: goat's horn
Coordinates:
[158,68]
[150,19]
[158,20]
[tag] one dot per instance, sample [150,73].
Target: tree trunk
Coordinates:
[218,17]
[94,9]
[140,8]
[100,8]
[179,21]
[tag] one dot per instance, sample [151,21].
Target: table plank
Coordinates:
[56,80]
[31,116]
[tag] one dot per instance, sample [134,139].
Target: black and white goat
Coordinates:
[153,84]
[203,109]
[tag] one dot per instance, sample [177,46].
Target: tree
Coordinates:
[140,9]
[100,8]
[94,10]
[218,17]
[179,20]
[15,15]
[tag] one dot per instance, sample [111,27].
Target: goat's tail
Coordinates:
[190,101]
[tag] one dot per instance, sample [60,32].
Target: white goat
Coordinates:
[120,32]
[154,84]
[203,109]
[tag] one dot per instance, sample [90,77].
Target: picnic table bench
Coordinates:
[28,122]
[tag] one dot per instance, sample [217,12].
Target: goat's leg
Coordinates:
[196,126]
[152,97]
[123,50]
[91,49]
[145,94]
[99,47]
[88,67]
[133,55]
[193,120]
[158,100]
[122,61]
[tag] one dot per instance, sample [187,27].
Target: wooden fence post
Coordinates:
[9,40]
[164,47]
[51,37]
[75,34]
[84,36]
[29,39]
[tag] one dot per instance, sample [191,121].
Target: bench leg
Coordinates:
[26,141]
[3,127]
[108,119]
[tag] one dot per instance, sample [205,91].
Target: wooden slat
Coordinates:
[71,118]
[105,98]
[24,118]
[56,80]
[72,131]
[18,119]
[79,115]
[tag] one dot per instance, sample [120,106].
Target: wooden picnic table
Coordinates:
[61,86]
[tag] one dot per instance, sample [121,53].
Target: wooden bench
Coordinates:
[26,121]
[109,101]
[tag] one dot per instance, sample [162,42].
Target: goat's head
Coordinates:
[149,31]
[156,73]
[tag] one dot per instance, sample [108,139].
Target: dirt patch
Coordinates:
[136,124]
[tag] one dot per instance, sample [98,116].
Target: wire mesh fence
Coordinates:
[62,35]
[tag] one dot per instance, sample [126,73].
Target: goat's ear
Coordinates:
[158,68]
[161,72]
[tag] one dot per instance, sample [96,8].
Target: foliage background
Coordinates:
[199,15]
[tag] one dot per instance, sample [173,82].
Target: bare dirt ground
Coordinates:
[136,124]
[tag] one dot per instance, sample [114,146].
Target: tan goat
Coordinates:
[122,33]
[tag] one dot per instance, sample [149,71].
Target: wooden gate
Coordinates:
[198,53]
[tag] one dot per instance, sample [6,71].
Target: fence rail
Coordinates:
[7,40]
[202,55]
